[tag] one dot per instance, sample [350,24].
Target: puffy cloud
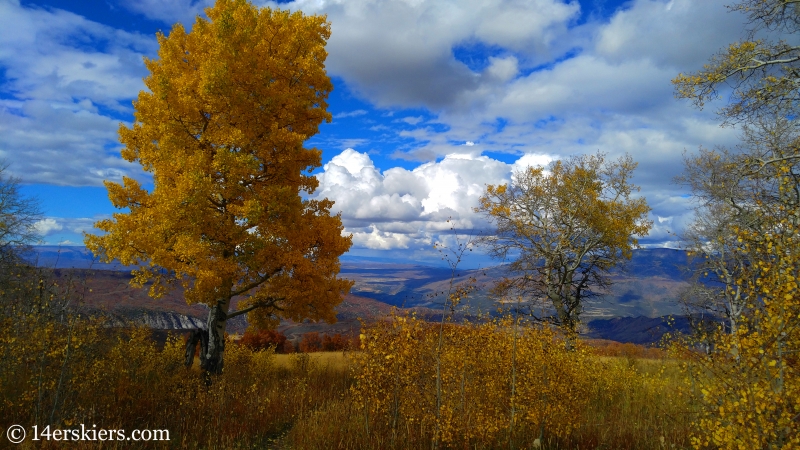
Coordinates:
[540,88]
[532,160]
[47,226]
[401,53]
[401,208]
[59,230]
[674,33]
[412,209]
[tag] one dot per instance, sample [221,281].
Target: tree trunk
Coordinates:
[211,340]
[568,322]
[217,319]
[198,336]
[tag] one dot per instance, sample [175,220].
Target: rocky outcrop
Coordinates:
[156,320]
[159,320]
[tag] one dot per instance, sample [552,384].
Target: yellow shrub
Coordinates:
[479,384]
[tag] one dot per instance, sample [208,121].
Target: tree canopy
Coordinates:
[564,228]
[221,128]
[763,72]
[18,217]
[747,229]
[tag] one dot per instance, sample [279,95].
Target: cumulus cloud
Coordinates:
[674,33]
[399,208]
[58,230]
[532,160]
[400,53]
[47,226]
[412,209]
[543,88]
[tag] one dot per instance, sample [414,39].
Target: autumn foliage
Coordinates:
[501,385]
[221,128]
[562,229]
[265,339]
[602,347]
[64,369]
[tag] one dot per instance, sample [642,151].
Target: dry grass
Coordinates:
[64,373]
[631,404]
[335,361]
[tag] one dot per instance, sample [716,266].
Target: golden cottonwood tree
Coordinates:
[566,227]
[763,73]
[745,190]
[748,387]
[222,130]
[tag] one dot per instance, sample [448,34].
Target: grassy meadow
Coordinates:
[490,393]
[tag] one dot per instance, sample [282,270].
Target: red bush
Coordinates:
[311,342]
[334,343]
[288,347]
[265,339]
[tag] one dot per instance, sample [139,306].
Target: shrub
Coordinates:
[334,343]
[311,342]
[264,339]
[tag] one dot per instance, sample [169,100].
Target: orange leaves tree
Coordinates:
[222,130]
[564,228]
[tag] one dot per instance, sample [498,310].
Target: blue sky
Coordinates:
[433,100]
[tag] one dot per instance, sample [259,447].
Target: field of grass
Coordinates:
[297,401]
[411,385]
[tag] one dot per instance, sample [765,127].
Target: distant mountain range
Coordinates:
[648,285]
[644,290]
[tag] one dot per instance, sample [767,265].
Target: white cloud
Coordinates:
[411,120]
[169,11]
[548,89]
[381,240]
[675,34]
[356,113]
[412,209]
[532,160]
[401,208]
[400,53]
[68,78]
[47,226]
[58,230]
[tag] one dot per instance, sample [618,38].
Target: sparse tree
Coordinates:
[18,217]
[221,129]
[745,190]
[719,264]
[564,228]
[763,70]
[748,388]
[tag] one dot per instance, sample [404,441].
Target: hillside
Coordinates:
[648,285]
[644,290]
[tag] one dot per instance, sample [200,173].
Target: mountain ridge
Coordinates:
[645,288]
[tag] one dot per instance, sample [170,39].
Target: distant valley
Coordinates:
[647,287]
